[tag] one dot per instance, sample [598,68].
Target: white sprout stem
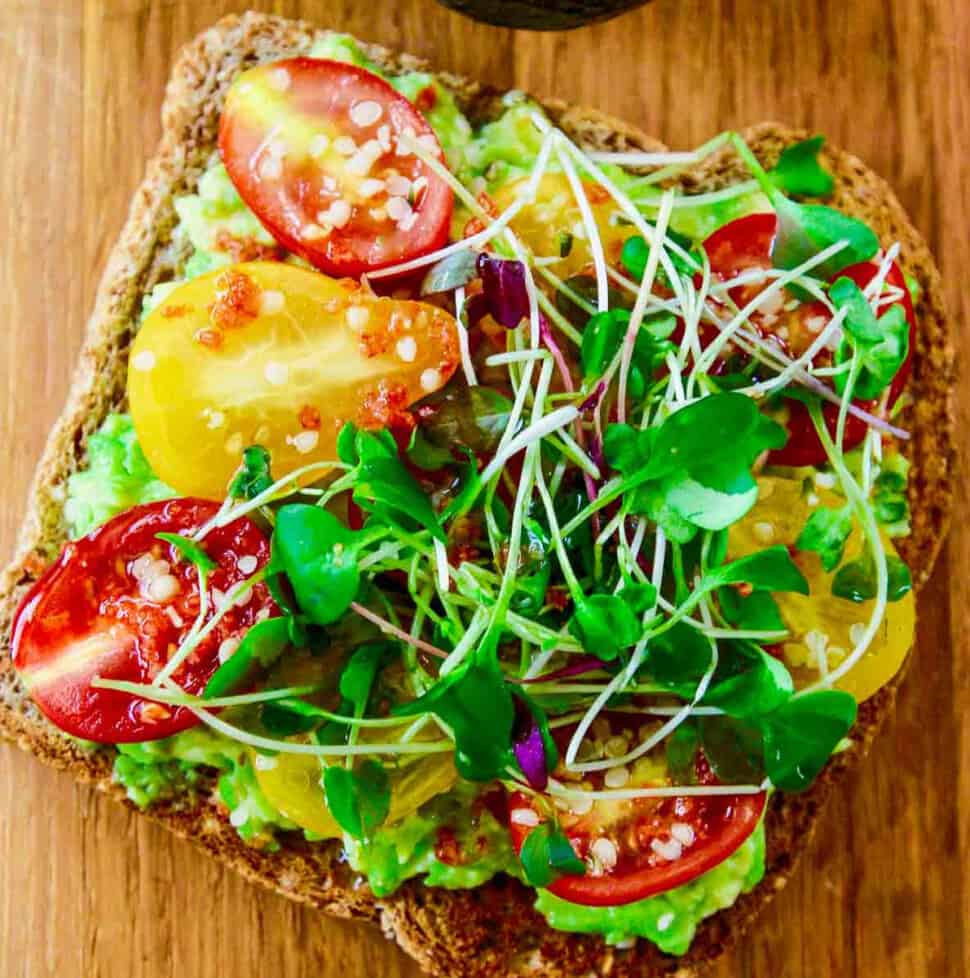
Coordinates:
[389,629]
[441,565]
[592,231]
[516,356]
[560,418]
[639,158]
[467,367]
[476,628]
[630,794]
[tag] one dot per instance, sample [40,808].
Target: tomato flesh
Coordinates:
[637,848]
[116,604]
[747,243]
[267,353]
[320,151]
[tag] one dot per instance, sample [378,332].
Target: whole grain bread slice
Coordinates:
[493,930]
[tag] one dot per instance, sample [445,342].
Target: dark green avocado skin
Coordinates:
[536,15]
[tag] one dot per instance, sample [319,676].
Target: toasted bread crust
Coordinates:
[493,930]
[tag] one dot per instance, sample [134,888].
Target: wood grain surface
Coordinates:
[89,891]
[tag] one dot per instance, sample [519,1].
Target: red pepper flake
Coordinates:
[175,312]
[487,204]
[212,338]
[596,193]
[558,598]
[446,848]
[237,300]
[745,589]
[309,418]
[246,249]
[426,99]
[385,407]
[473,227]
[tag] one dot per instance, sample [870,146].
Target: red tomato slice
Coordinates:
[639,847]
[116,604]
[314,147]
[747,243]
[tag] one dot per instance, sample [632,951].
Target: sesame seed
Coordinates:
[581,805]
[670,850]
[271,302]
[141,566]
[370,187]
[247,564]
[227,647]
[524,816]
[276,373]
[398,185]
[279,78]
[406,349]
[365,113]
[665,920]
[617,777]
[319,144]
[764,532]
[683,833]
[815,324]
[604,852]
[384,137]
[812,499]
[825,480]
[313,232]
[345,146]
[263,762]
[430,379]
[145,360]
[234,444]
[337,215]
[163,588]
[271,168]
[357,317]
[305,441]
[406,223]
[213,419]
[398,208]
[430,143]
[153,712]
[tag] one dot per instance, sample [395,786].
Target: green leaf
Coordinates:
[475,702]
[799,172]
[860,321]
[605,625]
[800,736]
[880,362]
[626,448]
[371,445]
[347,444]
[678,657]
[806,229]
[254,477]
[733,748]
[548,855]
[358,675]
[450,272]
[459,415]
[753,682]
[189,550]
[651,500]
[681,751]
[890,501]
[319,556]
[290,716]
[856,580]
[826,532]
[425,454]
[261,646]
[707,508]
[771,569]
[636,253]
[757,611]
[640,598]
[604,334]
[358,799]
[386,488]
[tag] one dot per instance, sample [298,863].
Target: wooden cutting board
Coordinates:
[89,891]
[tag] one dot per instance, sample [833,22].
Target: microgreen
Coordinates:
[734,748]
[450,272]
[826,532]
[359,799]
[678,657]
[881,344]
[548,855]
[189,550]
[261,646]
[605,625]
[889,500]
[253,476]
[856,579]
[799,172]
[748,681]
[757,611]
[603,337]
[771,569]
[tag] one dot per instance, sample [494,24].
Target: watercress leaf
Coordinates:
[889,498]
[459,415]
[584,286]
[771,569]
[261,646]
[425,454]
[358,799]
[288,717]
[319,556]
[605,625]
[476,704]
[385,487]
[626,448]
[757,611]
[800,736]
[254,475]
[881,361]
[358,675]
[760,684]
[856,580]
[639,597]
[682,746]
[806,229]
[707,508]
[450,272]
[189,550]
[651,501]
[734,749]
[860,321]
[547,855]
[601,339]
[826,533]
[370,445]
[678,657]
[799,172]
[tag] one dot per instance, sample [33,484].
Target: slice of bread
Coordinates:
[492,930]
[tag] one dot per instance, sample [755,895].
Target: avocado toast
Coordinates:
[506,930]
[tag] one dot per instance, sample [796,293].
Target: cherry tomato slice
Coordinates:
[747,243]
[319,150]
[116,604]
[636,848]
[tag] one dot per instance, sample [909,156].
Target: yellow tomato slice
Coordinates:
[824,628]
[543,224]
[272,354]
[292,785]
